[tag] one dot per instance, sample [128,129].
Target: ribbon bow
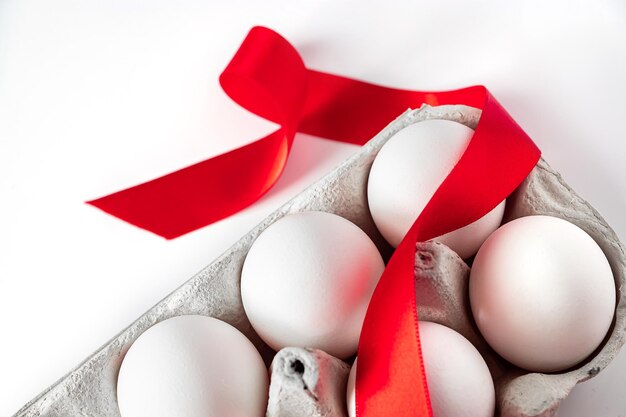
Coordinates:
[268,77]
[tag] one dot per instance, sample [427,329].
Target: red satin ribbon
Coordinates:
[267,77]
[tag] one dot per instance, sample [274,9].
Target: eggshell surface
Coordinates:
[406,173]
[459,382]
[192,366]
[542,293]
[307,281]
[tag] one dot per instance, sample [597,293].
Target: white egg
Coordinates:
[459,382]
[542,293]
[307,281]
[406,173]
[192,366]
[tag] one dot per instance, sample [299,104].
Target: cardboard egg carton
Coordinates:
[311,383]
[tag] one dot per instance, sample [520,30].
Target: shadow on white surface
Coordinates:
[602,396]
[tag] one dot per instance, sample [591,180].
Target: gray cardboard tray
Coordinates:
[441,279]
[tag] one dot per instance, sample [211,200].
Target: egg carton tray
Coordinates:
[311,383]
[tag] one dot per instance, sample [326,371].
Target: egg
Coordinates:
[459,382]
[192,366]
[542,293]
[406,173]
[307,281]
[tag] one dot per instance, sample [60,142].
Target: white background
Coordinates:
[99,95]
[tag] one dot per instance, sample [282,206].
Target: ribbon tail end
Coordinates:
[110,205]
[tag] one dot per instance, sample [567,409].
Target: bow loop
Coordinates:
[267,77]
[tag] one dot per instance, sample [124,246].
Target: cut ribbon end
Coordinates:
[111,207]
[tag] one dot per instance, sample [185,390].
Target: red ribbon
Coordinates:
[267,77]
